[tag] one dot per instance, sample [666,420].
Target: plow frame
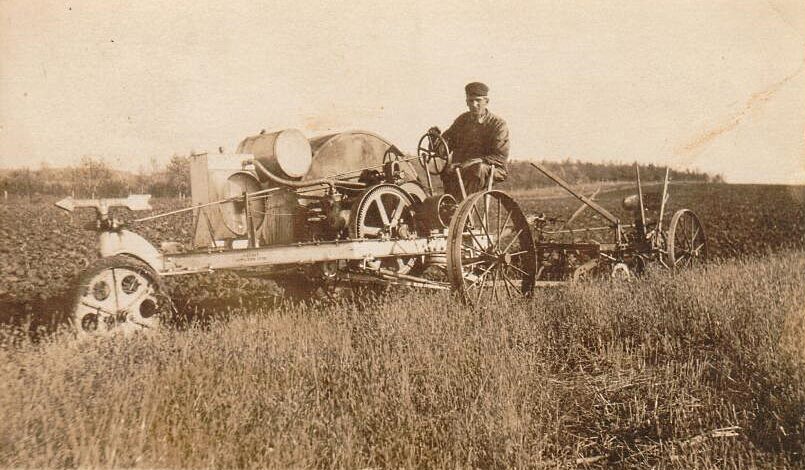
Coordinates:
[632,248]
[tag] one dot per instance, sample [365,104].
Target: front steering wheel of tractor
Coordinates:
[434,154]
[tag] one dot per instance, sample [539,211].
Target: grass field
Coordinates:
[700,369]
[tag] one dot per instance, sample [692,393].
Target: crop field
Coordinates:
[703,368]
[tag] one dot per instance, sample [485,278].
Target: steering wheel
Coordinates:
[434,154]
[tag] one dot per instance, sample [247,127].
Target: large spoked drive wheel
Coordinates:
[119,295]
[491,257]
[687,243]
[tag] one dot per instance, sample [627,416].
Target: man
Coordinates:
[479,141]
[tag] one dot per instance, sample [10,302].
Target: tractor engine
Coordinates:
[286,170]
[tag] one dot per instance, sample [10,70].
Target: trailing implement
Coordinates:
[631,247]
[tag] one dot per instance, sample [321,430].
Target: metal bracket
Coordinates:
[135,202]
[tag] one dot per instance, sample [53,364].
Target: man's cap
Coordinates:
[476,89]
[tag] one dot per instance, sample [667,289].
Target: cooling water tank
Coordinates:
[285,153]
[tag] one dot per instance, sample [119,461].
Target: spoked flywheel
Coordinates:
[384,211]
[491,257]
[687,243]
[119,295]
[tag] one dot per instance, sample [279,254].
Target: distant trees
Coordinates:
[19,182]
[522,175]
[178,172]
[94,177]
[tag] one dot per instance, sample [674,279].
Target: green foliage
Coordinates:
[700,369]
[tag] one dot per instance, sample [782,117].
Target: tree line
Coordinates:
[522,175]
[93,177]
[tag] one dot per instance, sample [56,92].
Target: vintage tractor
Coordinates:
[342,208]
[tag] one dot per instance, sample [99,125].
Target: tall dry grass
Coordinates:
[700,369]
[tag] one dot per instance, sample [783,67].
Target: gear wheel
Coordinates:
[381,211]
[384,211]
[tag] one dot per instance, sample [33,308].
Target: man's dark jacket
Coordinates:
[487,140]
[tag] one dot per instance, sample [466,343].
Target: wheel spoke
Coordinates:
[506,283]
[395,216]
[499,231]
[518,253]
[483,224]
[502,229]
[475,239]
[695,234]
[680,259]
[482,276]
[517,289]
[381,209]
[487,213]
[517,268]
[97,308]
[480,291]
[474,261]
[516,237]
[115,290]
[692,228]
[483,283]
[472,248]
[493,296]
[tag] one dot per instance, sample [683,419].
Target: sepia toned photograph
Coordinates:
[369,235]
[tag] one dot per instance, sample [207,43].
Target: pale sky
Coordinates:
[713,85]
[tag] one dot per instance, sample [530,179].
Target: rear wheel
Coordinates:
[119,295]
[687,243]
[491,257]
